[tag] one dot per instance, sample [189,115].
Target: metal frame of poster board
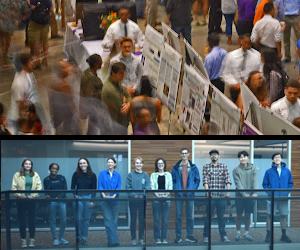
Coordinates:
[171,37]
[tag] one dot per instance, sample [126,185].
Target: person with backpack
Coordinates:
[52,182]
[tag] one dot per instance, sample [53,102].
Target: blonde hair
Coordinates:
[139,158]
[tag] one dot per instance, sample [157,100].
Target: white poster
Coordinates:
[168,78]
[171,37]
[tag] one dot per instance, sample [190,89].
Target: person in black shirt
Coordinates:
[83,178]
[51,182]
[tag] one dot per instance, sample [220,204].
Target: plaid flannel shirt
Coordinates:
[216,177]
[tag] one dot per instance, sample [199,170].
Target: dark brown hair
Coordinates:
[156,164]
[89,169]
[114,160]
[126,39]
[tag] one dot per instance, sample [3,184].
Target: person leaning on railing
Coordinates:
[161,180]
[26,179]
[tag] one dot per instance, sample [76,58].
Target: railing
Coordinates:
[9,220]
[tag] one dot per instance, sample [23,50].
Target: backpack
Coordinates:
[41,13]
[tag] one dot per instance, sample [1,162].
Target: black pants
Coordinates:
[215,16]
[218,83]
[137,207]
[26,209]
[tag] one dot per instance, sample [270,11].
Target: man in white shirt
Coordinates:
[268,29]
[289,106]
[237,65]
[134,67]
[123,27]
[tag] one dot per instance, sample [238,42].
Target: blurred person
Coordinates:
[116,97]
[296,122]
[134,67]
[288,106]
[229,8]
[210,128]
[123,27]
[145,100]
[274,74]
[143,123]
[140,8]
[267,32]
[298,54]
[213,61]
[215,17]
[203,5]
[246,12]
[279,11]
[3,122]
[151,12]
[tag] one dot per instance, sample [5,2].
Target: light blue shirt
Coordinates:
[280,8]
[291,7]
[213,62]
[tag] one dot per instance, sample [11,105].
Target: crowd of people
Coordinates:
[261,27]
[184,176]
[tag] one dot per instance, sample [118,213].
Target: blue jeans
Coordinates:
[140,5]
[160,208]
[220,205]
[229,20]
[82,216]
[137,206]
[61,208]
[110,216]
[186,31]
[189,209]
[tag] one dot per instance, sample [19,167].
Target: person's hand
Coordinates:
[23,197]
[125,108]
[141,196]
[236,87]
[283,28]
[227,195]
[76,196]
[136,196]
[131,90]
[247,195]
[30,197]
[91,205]
[254,195]
[47,197]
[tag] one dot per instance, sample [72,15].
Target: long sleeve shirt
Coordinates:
[180,11]
[84,183]
[107,182]
[291,7]
[213,62]
[137,181]
[58,183]
[285,109]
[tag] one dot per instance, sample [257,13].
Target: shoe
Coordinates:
[63,241]
[31,244]
[238,237]
[142,242]
[286,60]
[158,241]
[56,242]
[133,242]
[191,239]
[83,242]
[285,239]
[196,22]
[57,36]
[164,242]
[225,239]
[24,244]
[202,22]
[178,239]
[229,41]
[113,245]
[247,237]
[268,238]
[205,239]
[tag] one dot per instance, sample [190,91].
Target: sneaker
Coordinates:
[142,242]
[247,237]
[238,237]
[31,244]
[133,242]
[83,242]
[268,238]
[113,244]
[63,241]
[56,242]
[225,239]
[164,242]
[205,239]
[178,239]
[191,239]
[158,241]
[285,239]
[24,244]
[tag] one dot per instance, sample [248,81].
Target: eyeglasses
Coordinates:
[185,153]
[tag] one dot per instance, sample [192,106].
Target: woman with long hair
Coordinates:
[83,178]
[26,179]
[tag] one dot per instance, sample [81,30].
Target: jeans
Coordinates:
[61,208]
[189,209]
[135,207]
[110,216]
[82,216]
[140,4]
[26,208]
[229,20]
[220,205]
[186,31]
[160,208]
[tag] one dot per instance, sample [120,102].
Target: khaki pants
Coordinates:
[290,21]
[151,12]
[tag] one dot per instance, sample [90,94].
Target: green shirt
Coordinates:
[90,84]
[113,95]
[28,183]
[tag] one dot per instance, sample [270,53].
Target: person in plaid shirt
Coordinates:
[215,176]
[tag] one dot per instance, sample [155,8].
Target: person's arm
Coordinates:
[65,187]
[140,38]
[139,74]
[100,184]
[237,181]
[37,187]
[227,181]
[109,38]
[226,72]
[255,36]
[173,178]
[129,185]
[196,179]
[277,38]
[255,182]
[208,66]
[290,182]
[266,183]
[169,10]
[46,187]
[14,185]
[158,110]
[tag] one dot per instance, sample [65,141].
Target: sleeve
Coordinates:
[139,74]
[280,8]
[107,97]
[129,185]
[208,66]
[237,181]
[227,180]
[173,178]
[38,185]
[128,96]
[17,89]
[196,179]
[266,182]
[14,185]
[46,187]
[278,33]
[65,187]
[290,182]
[119,183]
[94,184]
[140,38]
[152,179]
[254,34]
[255,180]
[109,38]
[147,187]
[170,182]
[100,186]
[205,175]
[225,73]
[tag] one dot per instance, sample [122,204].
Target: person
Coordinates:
[296,122]
[246,12]
[267,32]
[245,177]
[274,74]
[123,27]
[56,182]
[134,67]
[110,180]
[137,180]
[143,123]
[145,100]
[26,179]
[83,178]
[237,65]
[229,8]
[200,4]
[3,122]
[185,176]
[298,53]
[288,106]
[212,179]
[278,177]
[161,180]
[113,95]
[151,12]
[140,6]
[279,10]
[215,17]
[213,61]
[179,14]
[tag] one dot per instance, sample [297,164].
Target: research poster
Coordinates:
[169,76]
[193,100]
[151,57]
[171,37]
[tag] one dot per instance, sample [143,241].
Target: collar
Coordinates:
[107,172]
[126,59]
[187,166]
[267,16]
[288,104]
[113,82]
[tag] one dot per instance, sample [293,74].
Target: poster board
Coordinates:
[193,100]
[169,76]
[171,37]
[250,129]
[151,56]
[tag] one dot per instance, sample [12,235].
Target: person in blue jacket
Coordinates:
[278,177]
[185,175]
[110,180]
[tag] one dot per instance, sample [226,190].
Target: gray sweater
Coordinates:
[137,181]
[245,178]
